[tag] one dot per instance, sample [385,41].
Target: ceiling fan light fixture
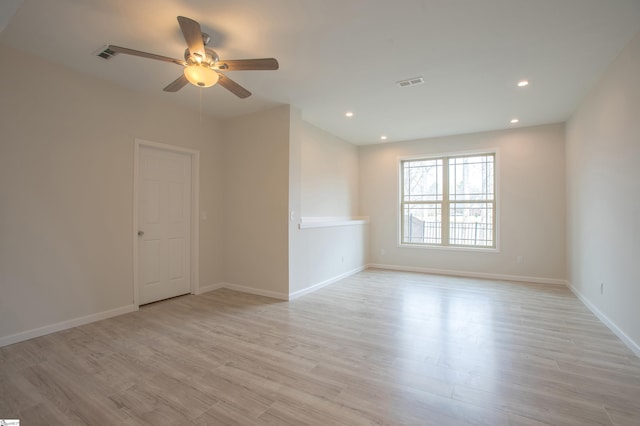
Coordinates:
[200,63]
[201,75]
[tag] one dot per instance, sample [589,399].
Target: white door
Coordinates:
[164,222]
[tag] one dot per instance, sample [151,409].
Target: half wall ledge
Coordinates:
[329,221]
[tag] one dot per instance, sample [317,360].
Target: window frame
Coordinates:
[446,202]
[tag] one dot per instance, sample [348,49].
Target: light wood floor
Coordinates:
[380,347]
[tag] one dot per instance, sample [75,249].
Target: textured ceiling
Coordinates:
[347,55]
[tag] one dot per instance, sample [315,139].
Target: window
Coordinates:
[448,201]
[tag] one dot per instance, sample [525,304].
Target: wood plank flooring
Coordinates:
[379,347]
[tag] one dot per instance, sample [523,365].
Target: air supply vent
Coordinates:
[410,82]
[105,53]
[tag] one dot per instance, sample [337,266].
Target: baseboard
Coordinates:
[208,288]
[634,346]
[468,274]
[256,291]
[75,322]
[324,283]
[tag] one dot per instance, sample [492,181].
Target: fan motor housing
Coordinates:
[212,56]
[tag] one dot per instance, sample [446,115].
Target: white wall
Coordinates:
[603,188]
[256,202]
[531,204]
[326,184]
[66,188]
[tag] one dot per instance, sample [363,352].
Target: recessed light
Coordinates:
[514,120]
[523,83]
[383,137]
[349,114]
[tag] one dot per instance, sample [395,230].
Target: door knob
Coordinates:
[140,233]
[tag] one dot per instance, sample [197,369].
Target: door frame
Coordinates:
[195,211]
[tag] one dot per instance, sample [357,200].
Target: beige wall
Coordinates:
[256,201]
[329,174]
[323,183]
[531,204]
[66,188]
[603,187]
[66,169]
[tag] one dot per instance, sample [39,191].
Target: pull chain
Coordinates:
[201,90]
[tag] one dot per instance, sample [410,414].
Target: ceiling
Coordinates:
[347,55]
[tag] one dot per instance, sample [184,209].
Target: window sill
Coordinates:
[450,248]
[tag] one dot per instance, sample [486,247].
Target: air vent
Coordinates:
[105,53]
[410,82]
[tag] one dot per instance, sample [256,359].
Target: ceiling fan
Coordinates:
[201,64]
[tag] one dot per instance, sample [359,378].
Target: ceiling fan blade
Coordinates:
[248,64]
[177,84]
[192,35]
[233,87]
[127,51]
